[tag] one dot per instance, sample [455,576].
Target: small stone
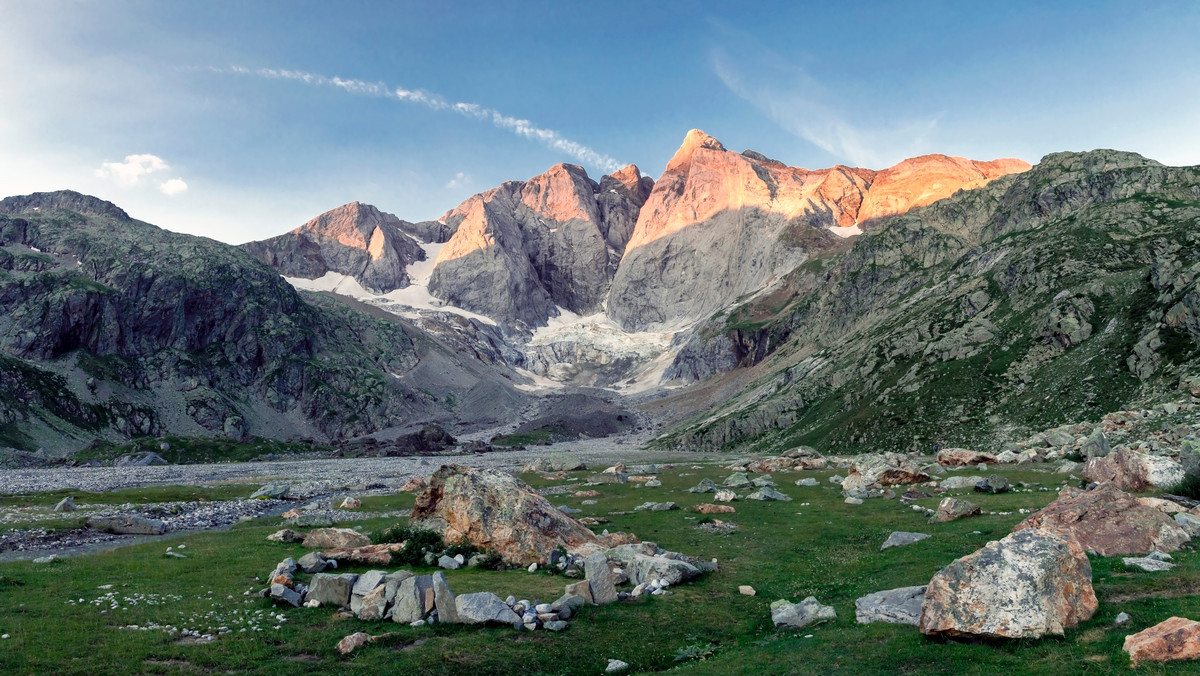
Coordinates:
[285,535]
[532,568]
[67,504]
[614,666]
[1147,564]
[1121,618]
[351,503]
[807,482]
[555,625]
[725,496]
[853,501]
[746,590]
[450,563]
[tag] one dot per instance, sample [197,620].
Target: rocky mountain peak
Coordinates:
[562,194]
[67,200]
[355,239]
[695,140]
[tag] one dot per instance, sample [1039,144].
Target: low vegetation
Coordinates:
[64,617]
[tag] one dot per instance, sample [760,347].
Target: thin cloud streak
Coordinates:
[523,128]
[799,104]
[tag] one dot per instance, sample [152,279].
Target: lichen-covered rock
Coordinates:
[800,615]
[497,512]
[335,538]
[963,457]
[369,555]
[485,608]
[950,509]
[885,469]
[1030,584]
[1108,521]
[1132,471]
[1177,638]
[895,606]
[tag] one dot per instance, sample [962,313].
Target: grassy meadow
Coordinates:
[65,618]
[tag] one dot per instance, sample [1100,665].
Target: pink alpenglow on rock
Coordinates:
[1177,638]
[1108,521]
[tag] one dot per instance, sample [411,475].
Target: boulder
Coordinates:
[900,538]
[285,535]
[331,590]
[281,593]
[414,599]
[553,464]
[1147,564]
[448,563]
[334,538]
[768,494]
[958,483]
[706,485]
[312,562]
[600,581]
[800,615]
[67,504]
[582,589]
[895,606]
[1095,446]
[370,555]
[962,457]
[1189,522]
[725,496]
[993,484]
[1177,638]
[707,508]
[809,481]
[127,524]
[886,469]
[950,509]
[373,605]
[485,608]
[443,600]
[348,644]
[365,584]
[276,490]
[1027,585]
[1132,471]
[1108,521]
[350,503]
[644,569]
[1007,458]
[737,480]
[497,512]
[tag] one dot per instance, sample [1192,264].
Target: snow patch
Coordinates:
[848,231]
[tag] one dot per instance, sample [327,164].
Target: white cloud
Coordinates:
[523,128]
[460,180]
[173,186]
[129,172]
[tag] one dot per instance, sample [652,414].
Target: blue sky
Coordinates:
[240,120]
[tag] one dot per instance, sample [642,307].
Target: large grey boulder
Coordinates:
[283,594]
[443,600]
[706,485]
[1096,445]
[373,605]
[768,494]
[365,584]
[331,590]
[896,606]
[127,524]
[800,615]
[313,562]
[414,599]
[67,504]
[600,579]
[1030,584]
[484,608]
[958,483]
[993,484]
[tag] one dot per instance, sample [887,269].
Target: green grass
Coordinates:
[198,449]
[784,550]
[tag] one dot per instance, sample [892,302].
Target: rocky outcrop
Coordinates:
[1030,584]
[764,217]
[1177,638]
[497,512]
[524,249]
[1107,521]
[1132,471]
[356,240]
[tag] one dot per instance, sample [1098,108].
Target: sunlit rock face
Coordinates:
[355,239]
[524,249]
[719,225]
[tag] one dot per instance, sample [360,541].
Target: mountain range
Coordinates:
[736,300]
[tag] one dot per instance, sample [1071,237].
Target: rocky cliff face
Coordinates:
[524,249]
[355,239]
[110,327]
[1056,294]
[720,225]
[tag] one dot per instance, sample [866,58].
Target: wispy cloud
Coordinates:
[129,173]
[803,106]
[460,179]
[523,128]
